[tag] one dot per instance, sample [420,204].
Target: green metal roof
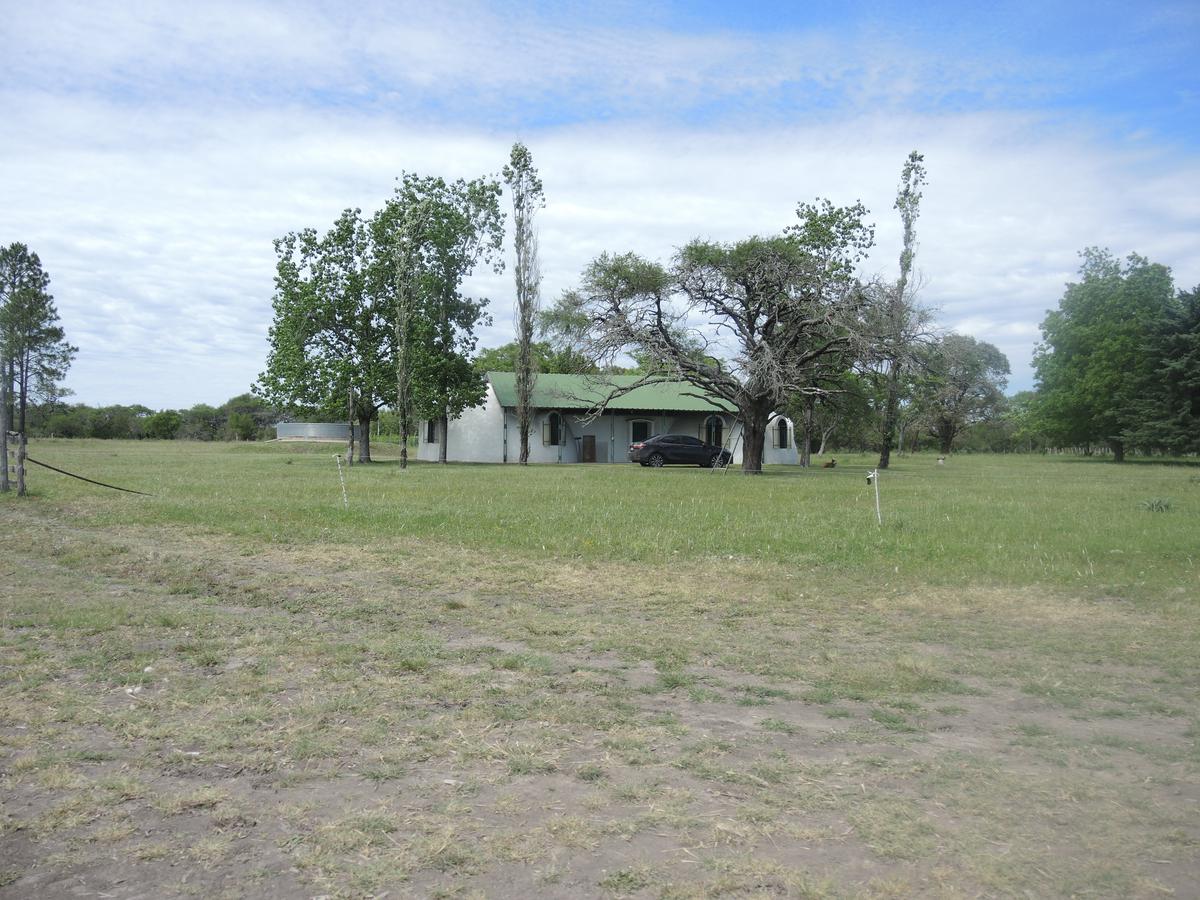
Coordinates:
[586,392]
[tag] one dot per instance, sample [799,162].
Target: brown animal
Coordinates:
[832,464]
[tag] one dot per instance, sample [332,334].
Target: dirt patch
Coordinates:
[186,716]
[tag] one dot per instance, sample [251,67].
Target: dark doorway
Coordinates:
[714,431]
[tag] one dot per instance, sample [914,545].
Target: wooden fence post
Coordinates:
[20,465]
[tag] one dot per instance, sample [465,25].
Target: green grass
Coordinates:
[600,681]
[1018,520]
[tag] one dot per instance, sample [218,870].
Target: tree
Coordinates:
[202,423]
[242,428]
[120,422]
[777,308]
[1166,413]
[430,236]
[34,353]
[1095,356]
[901,324]
[522,179]
[963,386]
[331,343]
[262,415]
[163,426]
[504,359]
[567,329]
[818,416]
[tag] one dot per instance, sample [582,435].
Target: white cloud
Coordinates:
[152,152]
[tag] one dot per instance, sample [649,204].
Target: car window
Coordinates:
[695,442]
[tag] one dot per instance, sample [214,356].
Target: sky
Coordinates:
[150,152]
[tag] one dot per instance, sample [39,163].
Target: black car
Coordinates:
[664,449]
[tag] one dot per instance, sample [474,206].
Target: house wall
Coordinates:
[489,433]
[475,436]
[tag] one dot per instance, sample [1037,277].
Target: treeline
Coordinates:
[242,418]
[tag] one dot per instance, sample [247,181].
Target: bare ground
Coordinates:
[186,715]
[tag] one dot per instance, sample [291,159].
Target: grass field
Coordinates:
[597,680]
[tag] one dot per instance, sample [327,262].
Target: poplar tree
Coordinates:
[902,323]
[522,179]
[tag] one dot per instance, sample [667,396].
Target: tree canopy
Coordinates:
[962,385]
[1165,416]
[747,322]
[331,341]
[431,235]
[34,353]
[1096,357]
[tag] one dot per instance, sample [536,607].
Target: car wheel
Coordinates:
[717,461]
[656,460]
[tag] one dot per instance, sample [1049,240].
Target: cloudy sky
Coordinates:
[150,152]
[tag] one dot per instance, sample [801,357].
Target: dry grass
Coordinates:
[430,718]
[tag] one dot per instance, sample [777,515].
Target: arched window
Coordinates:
[714,431]
[782,437]
[552,430]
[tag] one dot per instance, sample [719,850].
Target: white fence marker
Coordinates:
[337,457]
[873,478]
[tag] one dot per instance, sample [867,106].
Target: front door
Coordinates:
[589,448]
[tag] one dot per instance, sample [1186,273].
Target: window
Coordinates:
[431,431]
[552,430]
[639,430]
[714,431]
[780,433]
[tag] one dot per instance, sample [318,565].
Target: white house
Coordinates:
[564,432]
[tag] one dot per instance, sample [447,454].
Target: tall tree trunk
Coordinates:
[364,440]
[754,438]
[825,433]
[806,446]
[404,430]
[1118,450]
[5,407]
[890,408]
[350,435]
[23,392]
[444,429]
[524,417]
[946,434]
